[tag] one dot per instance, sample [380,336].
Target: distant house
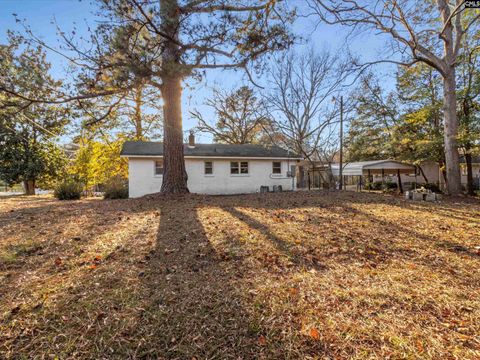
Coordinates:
[434,174]
[212,168]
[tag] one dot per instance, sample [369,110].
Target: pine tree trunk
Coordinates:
[138,114]
[174,173]
[452,162]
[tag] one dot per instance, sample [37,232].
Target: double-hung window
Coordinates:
[158,167]
[276,167]
[239,167]
[208,170]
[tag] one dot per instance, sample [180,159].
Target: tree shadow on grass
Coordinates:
[410,245]
[195,308]
[78,295]
[291,250]
[200,302]
[374,243]
[172,294]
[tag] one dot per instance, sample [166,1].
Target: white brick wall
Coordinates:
[142,178]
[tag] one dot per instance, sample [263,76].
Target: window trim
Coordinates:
[205,168]
[237,163]
[239,168]
[155,168]
[279,167]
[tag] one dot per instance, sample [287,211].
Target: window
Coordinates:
[276,167]
[239,167]
[234,169]
[244,167]
[208,168]
[158,167]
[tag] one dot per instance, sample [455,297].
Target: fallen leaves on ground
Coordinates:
[294,275]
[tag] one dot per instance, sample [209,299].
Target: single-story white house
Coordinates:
[212,168]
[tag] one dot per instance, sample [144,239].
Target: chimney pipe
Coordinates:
[191,139]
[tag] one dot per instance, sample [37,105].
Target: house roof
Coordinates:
[475,159]
[375,167]
[155,149]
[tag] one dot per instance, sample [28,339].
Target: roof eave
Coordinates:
[216,157]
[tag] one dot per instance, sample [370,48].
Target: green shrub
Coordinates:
[376,185]
[116,188]
[68,190]
[390,185]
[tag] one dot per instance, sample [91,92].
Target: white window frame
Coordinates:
[205,168]
[273,168]
[155,168]
[240,167]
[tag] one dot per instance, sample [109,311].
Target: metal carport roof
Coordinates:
[373,167]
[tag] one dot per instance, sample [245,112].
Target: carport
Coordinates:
[375,167]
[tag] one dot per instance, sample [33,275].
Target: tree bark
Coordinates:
[450,125]
[301,177]
[468,162]
[138,113]
[399,178]
[29,186]
[441,165]
[174,173]
[423,174]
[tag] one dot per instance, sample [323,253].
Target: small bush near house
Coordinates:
[116,188]
[68,190]
[376,185]
[390,185]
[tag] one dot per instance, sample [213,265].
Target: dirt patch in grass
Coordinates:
[293,275]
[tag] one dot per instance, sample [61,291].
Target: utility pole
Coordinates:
[341,144]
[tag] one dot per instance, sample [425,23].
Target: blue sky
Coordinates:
[73,13]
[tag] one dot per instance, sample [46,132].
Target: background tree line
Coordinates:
[126,82]
[407,123]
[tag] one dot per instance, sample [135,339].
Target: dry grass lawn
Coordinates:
[278,276]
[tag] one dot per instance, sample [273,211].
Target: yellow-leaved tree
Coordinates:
[98,161]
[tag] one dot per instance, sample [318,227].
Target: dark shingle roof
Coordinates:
[146,148]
